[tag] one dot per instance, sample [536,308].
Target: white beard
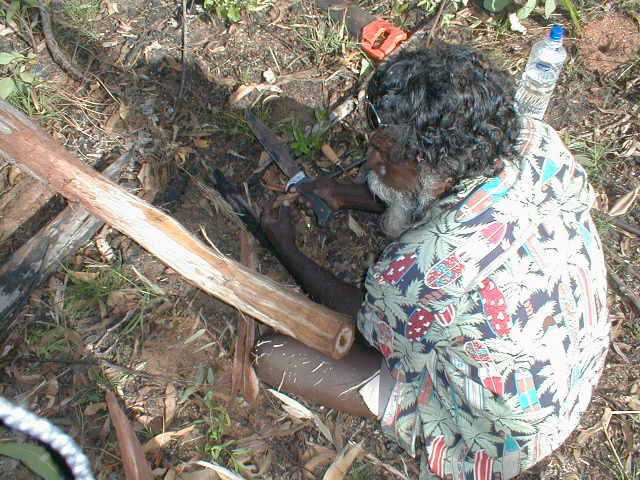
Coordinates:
[404,209]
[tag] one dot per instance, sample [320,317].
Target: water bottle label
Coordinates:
[545,67]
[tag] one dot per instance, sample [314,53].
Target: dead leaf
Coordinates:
[601,425]
[320,459]
[244,90]
[355,227]
[105,250]
[116,118]
[123,111]
[86,277]
[13,175]
[343,462]
[162,440]
[201,142]
[171,474]
[515,25]
[94,408]
[222,472]
[182,154]
[112,8]
[75,341]
[170,403]
[394,471]
[633,401]
[624,203]
[199,475]
[123,300]
[299,411]
[134,463]
[602,202]
[241,92]
[625,247]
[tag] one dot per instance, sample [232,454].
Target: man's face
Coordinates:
[393,180]
[406,189]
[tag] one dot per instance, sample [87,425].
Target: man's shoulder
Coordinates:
[536,136]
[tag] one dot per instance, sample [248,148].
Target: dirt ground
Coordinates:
[165,347]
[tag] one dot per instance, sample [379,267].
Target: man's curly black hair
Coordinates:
[458,106]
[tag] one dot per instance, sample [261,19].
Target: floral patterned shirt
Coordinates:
[492,318]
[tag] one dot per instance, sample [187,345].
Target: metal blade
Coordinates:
[354,17]
[277,150]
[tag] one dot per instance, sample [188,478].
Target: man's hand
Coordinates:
[277,225]
[341,196]
[327,189]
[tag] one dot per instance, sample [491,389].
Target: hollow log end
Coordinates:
[344,341]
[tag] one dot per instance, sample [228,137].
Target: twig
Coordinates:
[625,226]
[96,362]
[623,262]
[56,52]
[624,290]
[436,23]
[183,78]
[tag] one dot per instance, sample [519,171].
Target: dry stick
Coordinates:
[245,331]
[33,150]
[101,362]
[625,226]
[436,23]
[624,290]
[56,52]
[183,78]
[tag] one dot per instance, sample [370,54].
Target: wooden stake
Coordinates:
[33,150]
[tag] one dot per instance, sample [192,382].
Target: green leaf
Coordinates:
[12,10]
[496,5]
[234,13]
[187,393]
[7,87]
[7,57]
[549,8]
[27,77]
[585,160]
[573,13]
[35,457]
[526,10]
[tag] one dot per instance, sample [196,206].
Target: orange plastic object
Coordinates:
[372,32]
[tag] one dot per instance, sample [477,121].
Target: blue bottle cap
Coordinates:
[556,33]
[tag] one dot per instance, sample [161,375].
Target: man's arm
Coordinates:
[340,196]
[319,283]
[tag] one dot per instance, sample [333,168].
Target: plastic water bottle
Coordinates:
[541,74]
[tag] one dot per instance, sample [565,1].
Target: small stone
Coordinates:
[269,76]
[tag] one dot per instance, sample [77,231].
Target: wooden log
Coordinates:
[42,254]
[19,203]
[33,150]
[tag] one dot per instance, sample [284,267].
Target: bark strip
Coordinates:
[33,150]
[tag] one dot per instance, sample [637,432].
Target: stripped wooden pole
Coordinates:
[29,147]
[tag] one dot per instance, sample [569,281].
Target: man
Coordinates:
[487,310]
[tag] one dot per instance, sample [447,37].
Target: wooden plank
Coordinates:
[43,254]
[19,203]
[29,147]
